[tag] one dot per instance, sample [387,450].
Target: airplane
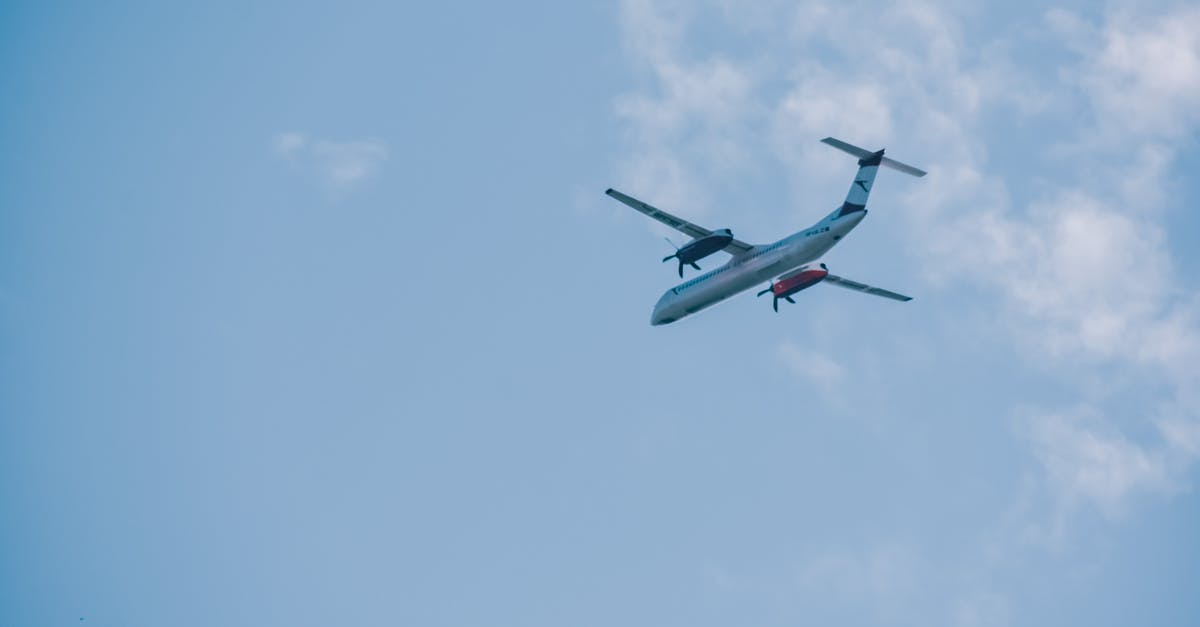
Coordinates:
[793,259]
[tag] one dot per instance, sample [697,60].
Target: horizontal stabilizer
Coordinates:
[866,154]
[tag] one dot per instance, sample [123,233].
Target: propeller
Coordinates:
[775,300]
[676,255]
[672,246]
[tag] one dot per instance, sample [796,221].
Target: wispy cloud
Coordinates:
[341,165]
[812,366]
[879,581]
[1051,262]
[690,126]
[290,144]
[1087,460]
[982,609]
[1074,263]
[1141,70]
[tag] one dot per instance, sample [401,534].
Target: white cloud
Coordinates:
[346,163]
[821,104]
[882,581]
[884,571]
[690,130]
[1182,435]
[1088,461]
[341,165]
[1146,76]
[289,144]
[1084,273]
[817,368]
[982,609]
[1078,277]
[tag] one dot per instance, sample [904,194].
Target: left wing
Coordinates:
[735,247]
[866,289]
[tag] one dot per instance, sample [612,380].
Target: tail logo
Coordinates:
[863,184]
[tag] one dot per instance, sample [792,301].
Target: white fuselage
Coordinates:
[745,271]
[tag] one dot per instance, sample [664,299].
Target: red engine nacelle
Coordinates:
[788,284]
[805,277]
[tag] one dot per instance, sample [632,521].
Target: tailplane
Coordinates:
[864,155]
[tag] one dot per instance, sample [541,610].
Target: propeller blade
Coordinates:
[695,266]
[764,291]
[789,299]
[676,254]
[775,304]
[681,269]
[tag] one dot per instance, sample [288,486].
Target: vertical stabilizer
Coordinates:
[868,166]
[864,180]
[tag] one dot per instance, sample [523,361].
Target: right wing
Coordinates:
[736,247]
[866,289]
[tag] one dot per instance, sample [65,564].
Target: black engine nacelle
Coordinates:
[701,247]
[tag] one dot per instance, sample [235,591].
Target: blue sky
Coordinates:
[317,315]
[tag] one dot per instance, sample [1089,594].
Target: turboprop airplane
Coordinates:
[793,259]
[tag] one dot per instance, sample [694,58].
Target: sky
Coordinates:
[318,315]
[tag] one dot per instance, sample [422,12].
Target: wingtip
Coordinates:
[609,191]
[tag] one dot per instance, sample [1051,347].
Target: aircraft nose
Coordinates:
[660,317]
[663,311]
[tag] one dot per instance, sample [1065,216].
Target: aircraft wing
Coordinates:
[735,247]
[866,289]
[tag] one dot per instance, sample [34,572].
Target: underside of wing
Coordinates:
[735,247]
[864,288]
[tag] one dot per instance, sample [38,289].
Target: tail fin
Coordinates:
[866,154]
[864,182]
